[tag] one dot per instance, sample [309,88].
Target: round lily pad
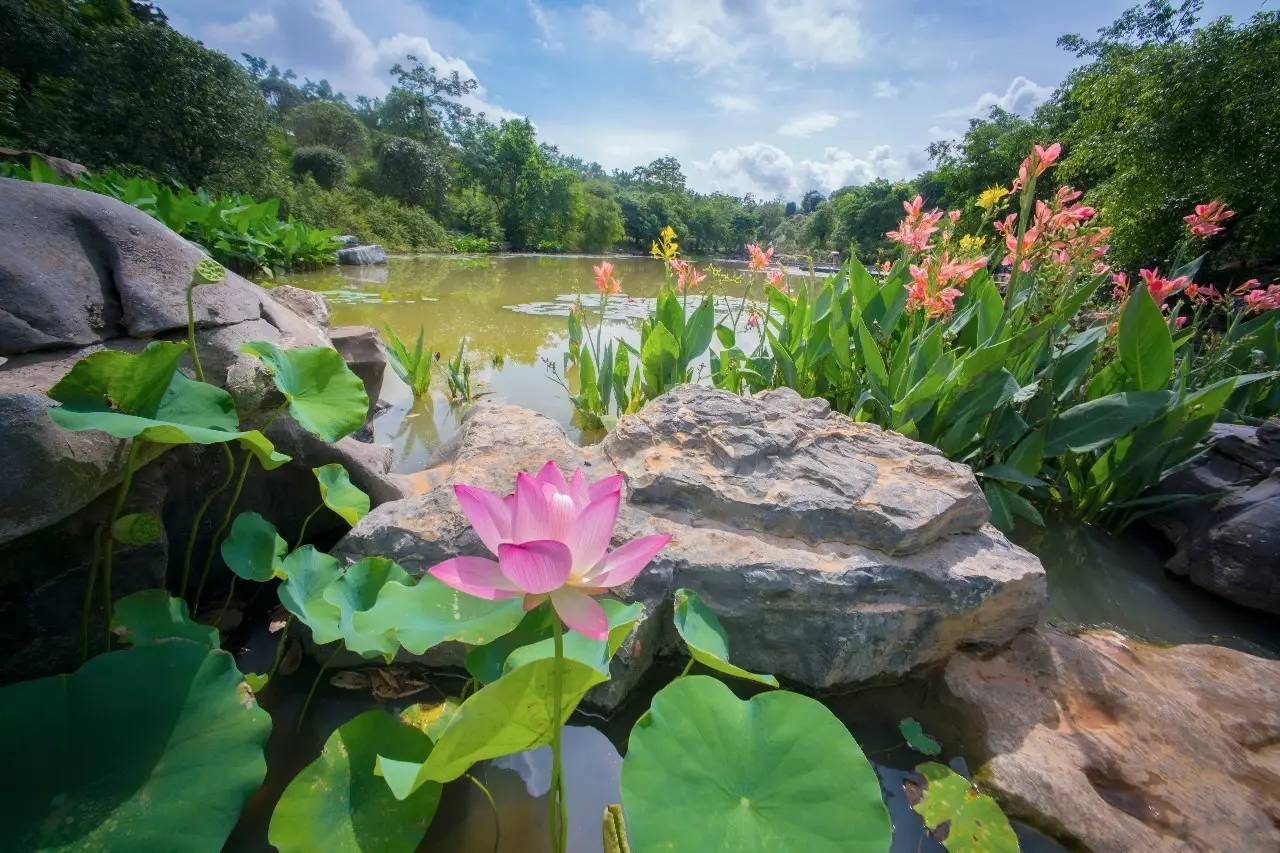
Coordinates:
[706,771]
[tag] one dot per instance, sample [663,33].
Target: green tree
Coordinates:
[811,200]
[412,172]
[602,226]
[422,105]
[327,166]
[861,215]
[329,124]
[473,212]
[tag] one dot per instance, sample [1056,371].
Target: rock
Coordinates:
[1229,543]
[305,303]
[362,349]
[1110,744]
[346,241]
[799,594]
[64,168]
[78,268]
[362,255]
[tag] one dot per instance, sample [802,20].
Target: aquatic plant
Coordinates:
[411,365]
[457,372]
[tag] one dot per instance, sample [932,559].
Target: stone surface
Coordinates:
[822,613]
[362,349]
[1114,745]
[305,303]
[1229,543]
[362,255]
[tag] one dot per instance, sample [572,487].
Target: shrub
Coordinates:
[470,244]
[473,212]
[326,165]
[399,226]
[411,172]
[329,124]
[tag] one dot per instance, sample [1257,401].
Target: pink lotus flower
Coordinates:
[759,258]
[1207,219]
[551,538]
[605,282]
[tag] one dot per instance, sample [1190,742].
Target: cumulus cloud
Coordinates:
[1022,96]
[768,171]
[809,124]
[885,89]
[732,103]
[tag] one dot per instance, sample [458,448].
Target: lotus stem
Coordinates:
[314,684]
[199,517]
[88,595]
[557,813]
[126,481]
[302,532]
[497,818]
[688,666]
[226,602]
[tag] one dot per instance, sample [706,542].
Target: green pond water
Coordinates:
[515,307]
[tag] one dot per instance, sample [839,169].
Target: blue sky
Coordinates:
[772,97]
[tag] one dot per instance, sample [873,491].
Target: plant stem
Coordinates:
[226,602]
[497,818]
[314,684]
[199,517]
[191,334]
[130,464]
[88,594]
[556,812]
[302,532]
[284,634]
[688,666]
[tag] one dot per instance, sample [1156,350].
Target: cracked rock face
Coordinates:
[833,552]
[1111,744]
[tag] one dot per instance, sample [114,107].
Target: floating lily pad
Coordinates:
[705,636]
[913,733]
[152,615]
[971,820]
[324,396]
[706,771]
[153,748]
[355,591]
[338,805]
[340,494]
[429,613]
[253,549]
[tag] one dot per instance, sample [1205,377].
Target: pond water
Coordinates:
[512,311]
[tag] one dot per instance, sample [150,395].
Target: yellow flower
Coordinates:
[971,244]
[668,248]
[990,197]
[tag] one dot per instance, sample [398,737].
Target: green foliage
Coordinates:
[91,754]
[706,771]
[457,372]
[915,736]
[356,590]
[137,528]
[151,615]
[411,172]
[337,803]
[340,494]
[974,823]
[602,226]
[326,165]
[423,615]
[324,396]
[329,125]
[253,549]
[705,637]
[412,366]
[474,213]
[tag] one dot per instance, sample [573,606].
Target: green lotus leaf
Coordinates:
[153,748]
[137,528]
[253,549]
[429,613]
[431,719]
[355,591]
[484,662]
[705,636]
[913,733]
[338,805]
[595,653]
[152,615]
[307,573]
[975,823]
[146,396]
[706,771]
[510,715]
[324,396]
[257,681]
[340,494]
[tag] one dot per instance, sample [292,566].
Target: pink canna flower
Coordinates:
[758,258]
[753,320]
[777,277]
[1207,219]
[551,538]
[1037,163]
[1162,288]
[605,282]
[1120,290]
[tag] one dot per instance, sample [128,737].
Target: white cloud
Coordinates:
[1022,96]
[252,29]
[816,32]
[542,20]
[600,23]
[768,171]
[612,146]
[809,124]
[935,132]
[732,103]
[885,89]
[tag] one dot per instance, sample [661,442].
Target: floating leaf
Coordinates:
[429,613]
[706,771]
[137,528]
[151,615]
[355,591]
[975,823]
[705,637]
[253,549]
[913,734]
[146,396]
[307,573]
[324,396]
[153,748]
[340,494]
[337,803]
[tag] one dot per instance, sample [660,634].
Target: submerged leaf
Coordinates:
[975,824]
[705,636]
[340,494]
[913,733]
[324,396]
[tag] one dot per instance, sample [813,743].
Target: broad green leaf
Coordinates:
[1146,348]
[151,615]
[137,528]
[324,396]
[429,613]
[997,499]
[1028,454]
[484,662]
[153,748]
[1009,474]
[253,549]
[355,591]
[1096,423]
[975,823]
[726,336]
[431,719]
[340,494]
[1070,365]
[697,335]
[510,715]
[913,733]
[307,574]
[659,357]
[622,618]
[706,771]
[338,805]
[705,636]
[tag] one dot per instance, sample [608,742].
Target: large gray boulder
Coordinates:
[1117,746]
[804,539]
[357,256]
